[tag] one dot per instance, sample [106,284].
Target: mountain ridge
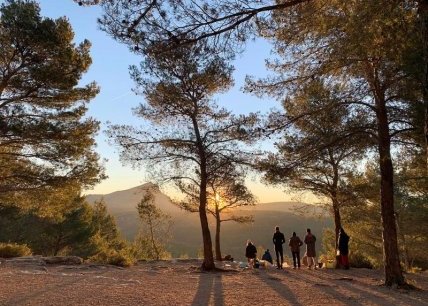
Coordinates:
[186,233]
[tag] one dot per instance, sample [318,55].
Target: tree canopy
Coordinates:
[178,94]
[45,140]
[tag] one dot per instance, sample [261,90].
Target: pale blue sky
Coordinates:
[115,101]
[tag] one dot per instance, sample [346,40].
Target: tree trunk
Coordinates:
[335,202]
[405,249]
[152,238]
[217,235]
[337,222]
[208,263]
[393,273]
[423,12]
[337,226]
[336,211]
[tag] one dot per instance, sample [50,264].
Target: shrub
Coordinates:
[8,250]
[359,260]
[120,258]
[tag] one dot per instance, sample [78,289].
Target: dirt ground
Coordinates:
[179,282]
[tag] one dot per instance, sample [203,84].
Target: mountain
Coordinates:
[126,201]
[187,237]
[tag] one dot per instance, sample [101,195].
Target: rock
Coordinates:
[63,260]
[25,261]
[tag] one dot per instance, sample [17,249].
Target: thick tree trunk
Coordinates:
[217,236]
[405,249]
[393,273]
[423,12]
[337,221]
[208,263]
[337,226]
[335,201]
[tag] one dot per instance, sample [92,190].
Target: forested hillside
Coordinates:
[186,236]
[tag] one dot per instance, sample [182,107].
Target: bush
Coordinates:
[112,257]
[8,250]
[327,261]
[359,260]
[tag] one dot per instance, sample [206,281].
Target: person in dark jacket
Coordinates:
[251,253]
[278,240]
[295,243]
[343,248]
[267,257]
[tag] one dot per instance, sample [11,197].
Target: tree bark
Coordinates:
[152,238]
[393,273]
[423,13]
[217,235]
[405,249]
[337,220]
[208,262]
[335,202]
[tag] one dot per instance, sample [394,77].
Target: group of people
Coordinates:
[295,243]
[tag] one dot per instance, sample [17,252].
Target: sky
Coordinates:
[114,103]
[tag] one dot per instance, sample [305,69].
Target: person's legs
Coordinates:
[314,259]
[282,257]
[298,259]
[294,259]
[311,260]
[277,256]
[293,254]
[345,261]
[251,262]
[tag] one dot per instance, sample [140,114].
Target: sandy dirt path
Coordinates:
[181,283]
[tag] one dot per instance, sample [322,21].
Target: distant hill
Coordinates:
[187,237]
[125,201]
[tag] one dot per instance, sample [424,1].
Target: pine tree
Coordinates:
[45,141]
[319,148]
[326,40]
[185,133]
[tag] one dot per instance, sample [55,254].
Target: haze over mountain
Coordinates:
[186,229]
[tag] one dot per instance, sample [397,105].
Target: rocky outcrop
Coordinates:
[63,260]
[39,261]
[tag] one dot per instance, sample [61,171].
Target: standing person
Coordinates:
[295,243]
[278,240]
[250,253]
[310,248]
[343,248]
